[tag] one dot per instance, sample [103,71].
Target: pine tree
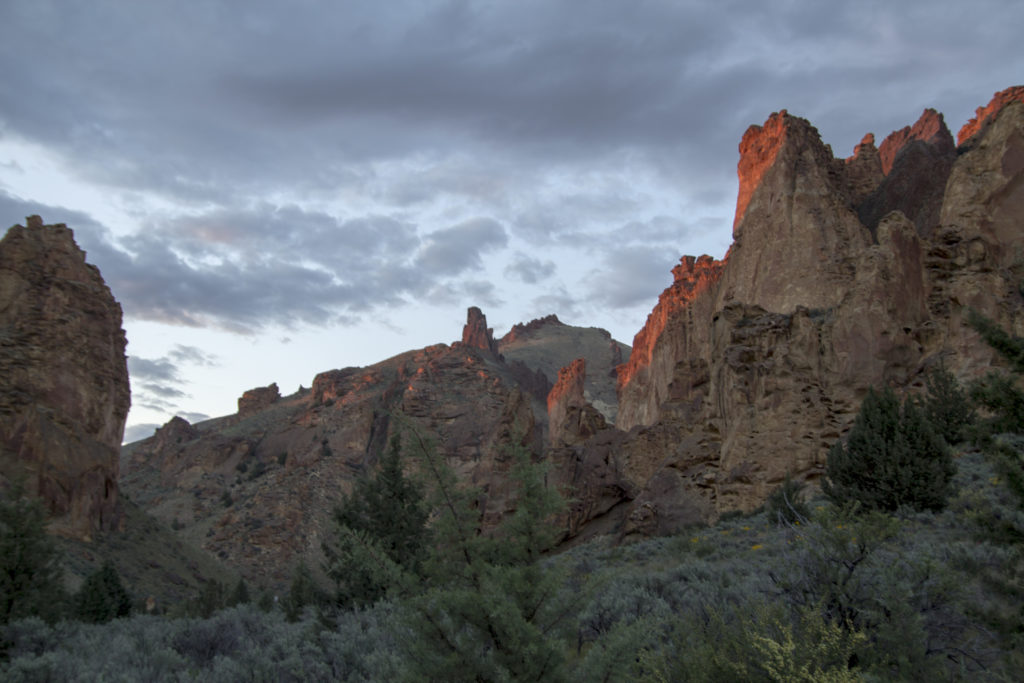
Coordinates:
[102,597]
[493,609]
[947,406]
[891,458]
[381,534]
[30,569]
[239,595]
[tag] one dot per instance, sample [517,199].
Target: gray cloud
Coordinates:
[456,249]
[446,131]
[140,431]
[629,276]
[529,270]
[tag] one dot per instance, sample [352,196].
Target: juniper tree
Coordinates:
[30,569]
[380,534]
[891,458]
[492,608]
[102,597]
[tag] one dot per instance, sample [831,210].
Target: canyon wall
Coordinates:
[843,274]
[64,392]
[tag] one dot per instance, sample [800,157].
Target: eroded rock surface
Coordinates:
[842,275]
[64,392]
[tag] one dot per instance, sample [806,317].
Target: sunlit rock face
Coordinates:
[983,115]
[64,392]
[476,334]
[843,274]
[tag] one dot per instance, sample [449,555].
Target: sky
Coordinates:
[273,189]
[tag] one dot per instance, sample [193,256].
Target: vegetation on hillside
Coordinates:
[910,570]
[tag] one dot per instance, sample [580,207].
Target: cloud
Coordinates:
[631,276]
[454,250]
[528,269]
[137,432]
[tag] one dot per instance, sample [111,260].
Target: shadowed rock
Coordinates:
[64,392]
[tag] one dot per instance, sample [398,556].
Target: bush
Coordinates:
[892,458]
[784,504]
[102,597]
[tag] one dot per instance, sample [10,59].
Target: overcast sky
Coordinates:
[272,189]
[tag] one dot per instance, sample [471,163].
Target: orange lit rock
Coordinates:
[476,334]
[985,114]
[666,339]
[916,160]
[758,149]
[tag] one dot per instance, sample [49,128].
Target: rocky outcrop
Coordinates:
[983,115]
[864,169]
[571,419]
[842,275]
[916,162]
[255,400]
[64,392]
[476,334]
[546,345]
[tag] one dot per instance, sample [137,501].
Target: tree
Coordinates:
[381,534]
[30,569]
[102,597]
[239,595]
[892,458]
[493,609]
[947,406]
[302,593]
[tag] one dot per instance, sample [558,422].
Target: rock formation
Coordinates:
[985,114]
[546,345]
[476,334]
[284,461]
[842,275]
[255,400]
[64,392]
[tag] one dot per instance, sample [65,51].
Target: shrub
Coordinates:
[892,458]
[784,504]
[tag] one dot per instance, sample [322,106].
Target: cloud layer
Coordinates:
[265,164]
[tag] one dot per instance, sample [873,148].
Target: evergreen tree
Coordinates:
[302,593]
[102,597]
[381,534]
[947,406]
[30,570]
[891,458]
[239,595]
[493,609]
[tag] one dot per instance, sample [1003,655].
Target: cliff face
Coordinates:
[842,275]
[257,488]
[64,392]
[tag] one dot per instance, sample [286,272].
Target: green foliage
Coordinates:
[302,593]
[239,594]
[756,642]
[947,406]
[102,597]
[892,458]
[784,504]
[493,609]
[381,534]
[30,569]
